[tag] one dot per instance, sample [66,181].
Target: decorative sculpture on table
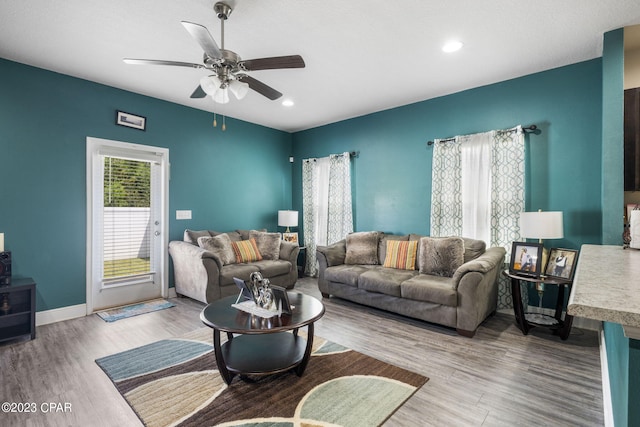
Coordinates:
[262,292]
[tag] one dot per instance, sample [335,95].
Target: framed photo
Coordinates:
[245,292]
[562,263]
[526,259]
[131,120]
[290,237]
[281,299]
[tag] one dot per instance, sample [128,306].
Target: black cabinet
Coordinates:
[632,139]
[18,309]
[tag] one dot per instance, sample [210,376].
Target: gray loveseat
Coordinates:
[204,263]
[453,283]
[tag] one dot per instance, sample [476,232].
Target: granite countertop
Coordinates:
[607,285]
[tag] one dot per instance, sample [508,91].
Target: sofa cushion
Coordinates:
[362,248]
[219,245]
[401,255]
[244,234]
[235,236]
[473,248]
[347,274]
[268,243]
[270,268]
[384,280]
[191,236]
[435,289]
[241,271]
[382,246]
[441,256]
[246,251]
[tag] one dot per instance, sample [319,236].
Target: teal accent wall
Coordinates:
[622,360]
[617,346]
[613,137]
[392,174]
[233,179]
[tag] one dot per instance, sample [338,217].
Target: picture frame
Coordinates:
[131,120]
[290,237]
[562,263]
[526,259]
[245,292]
[281,299]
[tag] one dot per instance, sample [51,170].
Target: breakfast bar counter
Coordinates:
[607,287]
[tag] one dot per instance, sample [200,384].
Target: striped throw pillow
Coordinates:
[401,254]
[246,251]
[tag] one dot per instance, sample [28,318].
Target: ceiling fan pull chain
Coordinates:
[215,123]
[224,126]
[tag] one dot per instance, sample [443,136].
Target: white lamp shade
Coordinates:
[288,218]
[541,225]
[221,96]
[210,84]
[239,89]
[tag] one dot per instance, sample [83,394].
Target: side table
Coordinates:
[526,321]
[302,261]
[18,309]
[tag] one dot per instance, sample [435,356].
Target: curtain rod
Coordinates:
[351,154]
[530,128]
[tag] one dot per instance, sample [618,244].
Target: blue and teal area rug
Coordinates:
[114,314]
[175,382]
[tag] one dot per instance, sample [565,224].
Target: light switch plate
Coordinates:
[183,214]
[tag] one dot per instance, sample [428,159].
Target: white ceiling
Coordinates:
[361,56]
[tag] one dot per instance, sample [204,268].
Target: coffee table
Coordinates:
[262,346]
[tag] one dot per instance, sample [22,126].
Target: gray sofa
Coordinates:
[462,297]
[204,263]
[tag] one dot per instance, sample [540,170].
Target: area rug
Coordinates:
[175,382]
[114,314]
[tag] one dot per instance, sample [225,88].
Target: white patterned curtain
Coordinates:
[326,203]
[507,199]
[478,191]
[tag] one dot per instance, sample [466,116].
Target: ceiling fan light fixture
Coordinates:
[239,89]
[221,96]
[210,84]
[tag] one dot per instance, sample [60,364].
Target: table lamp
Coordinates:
[541,225]
[288,219]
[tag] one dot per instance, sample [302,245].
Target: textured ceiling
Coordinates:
[362,56]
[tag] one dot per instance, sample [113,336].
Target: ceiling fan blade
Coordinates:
[198,93]
[275,62]
[260,87]
[161,62]
[204,39]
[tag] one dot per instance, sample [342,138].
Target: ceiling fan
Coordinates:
[229,70]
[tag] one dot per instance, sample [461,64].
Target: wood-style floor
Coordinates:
[497,378]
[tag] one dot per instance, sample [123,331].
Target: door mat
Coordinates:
[175,382]
[114,314]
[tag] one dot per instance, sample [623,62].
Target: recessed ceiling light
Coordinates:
[452,46]
[287,103]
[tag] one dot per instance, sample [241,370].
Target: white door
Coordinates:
[127,213]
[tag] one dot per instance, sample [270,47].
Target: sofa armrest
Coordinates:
[289,252]
[483,264]
[328,256]
[196,271]
[477,284]
[333,254]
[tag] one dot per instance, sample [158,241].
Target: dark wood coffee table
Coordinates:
[262,346]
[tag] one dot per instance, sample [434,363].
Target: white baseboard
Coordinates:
[60,314]
[606,386]
[72,312]
[578,322]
